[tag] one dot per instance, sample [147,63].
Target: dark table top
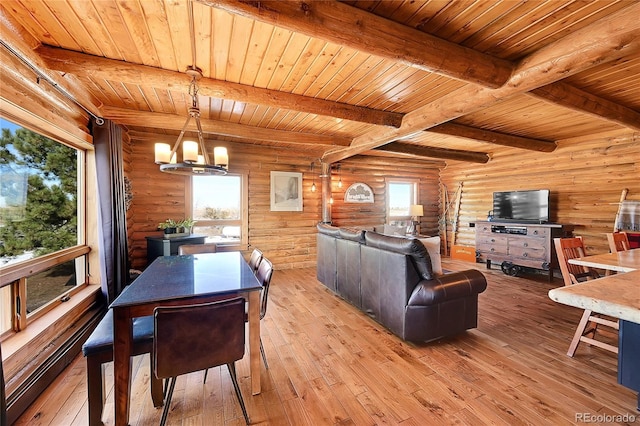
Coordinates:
[177,277]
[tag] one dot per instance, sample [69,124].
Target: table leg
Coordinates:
[254,340]
[122,347]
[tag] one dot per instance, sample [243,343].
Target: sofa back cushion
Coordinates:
[432,245]
[326,229]
[352,234]
[407,246]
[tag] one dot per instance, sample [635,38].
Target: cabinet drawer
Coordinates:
[492,248]
[491,240]
[537,231]
[528,243]
[483,228]
[528,253]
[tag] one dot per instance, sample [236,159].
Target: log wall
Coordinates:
[288,239]
[375,171]
[585,175]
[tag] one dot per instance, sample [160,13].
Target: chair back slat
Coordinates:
[618,241]
[571,248]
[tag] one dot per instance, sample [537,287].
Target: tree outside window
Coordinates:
[38,208]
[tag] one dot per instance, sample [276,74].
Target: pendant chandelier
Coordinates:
[194,161]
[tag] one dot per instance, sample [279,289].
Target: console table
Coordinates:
[161,246]
[516,245]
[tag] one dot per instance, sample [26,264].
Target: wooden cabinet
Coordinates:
[517,245]
[160,246]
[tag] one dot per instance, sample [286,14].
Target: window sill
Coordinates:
[20,349]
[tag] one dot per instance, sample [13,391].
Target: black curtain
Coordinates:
[112,220]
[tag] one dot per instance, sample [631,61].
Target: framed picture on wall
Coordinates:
[286,192]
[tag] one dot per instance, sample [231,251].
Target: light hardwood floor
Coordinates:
[330,364]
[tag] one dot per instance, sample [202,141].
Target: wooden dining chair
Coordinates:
[197,248]
[571,248]
[198,337]
[618,241]
[254,260]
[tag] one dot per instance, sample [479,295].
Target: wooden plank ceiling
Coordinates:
[440,79]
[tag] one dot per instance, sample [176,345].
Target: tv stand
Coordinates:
[517,245]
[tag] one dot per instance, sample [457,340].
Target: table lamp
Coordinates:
[415,211]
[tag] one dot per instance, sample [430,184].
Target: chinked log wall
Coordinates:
[287,238]
[585,175]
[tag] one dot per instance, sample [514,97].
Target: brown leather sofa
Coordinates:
[390,278]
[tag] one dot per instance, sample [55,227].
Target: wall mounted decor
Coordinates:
[358,193]
[286,192]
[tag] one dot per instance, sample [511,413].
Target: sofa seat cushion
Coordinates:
[408,246]
[448,287]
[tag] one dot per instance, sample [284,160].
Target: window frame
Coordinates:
[15,275]
[244,210]
[415,191]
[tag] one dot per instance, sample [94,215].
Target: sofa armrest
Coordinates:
[456,285]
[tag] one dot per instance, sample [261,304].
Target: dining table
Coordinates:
[617,296]
[622,261]
[175,281]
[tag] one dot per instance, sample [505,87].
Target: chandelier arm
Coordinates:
[201,139]
[180,136]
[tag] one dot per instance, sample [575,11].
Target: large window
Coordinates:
[218,205]
[400,196]
[41,224]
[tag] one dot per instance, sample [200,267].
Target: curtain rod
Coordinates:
[40,74]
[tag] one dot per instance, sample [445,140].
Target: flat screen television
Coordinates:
[521,206]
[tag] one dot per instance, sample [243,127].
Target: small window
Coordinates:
[218,205]
[400,196]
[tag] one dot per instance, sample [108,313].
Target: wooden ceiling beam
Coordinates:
[571,97]
[349,26]
[21,44]
[607,39]
[504,139]
[432,152]
[81,65]
[134,118]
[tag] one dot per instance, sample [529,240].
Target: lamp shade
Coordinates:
[221,158]
[190,151]
[416,210]
[162,153]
